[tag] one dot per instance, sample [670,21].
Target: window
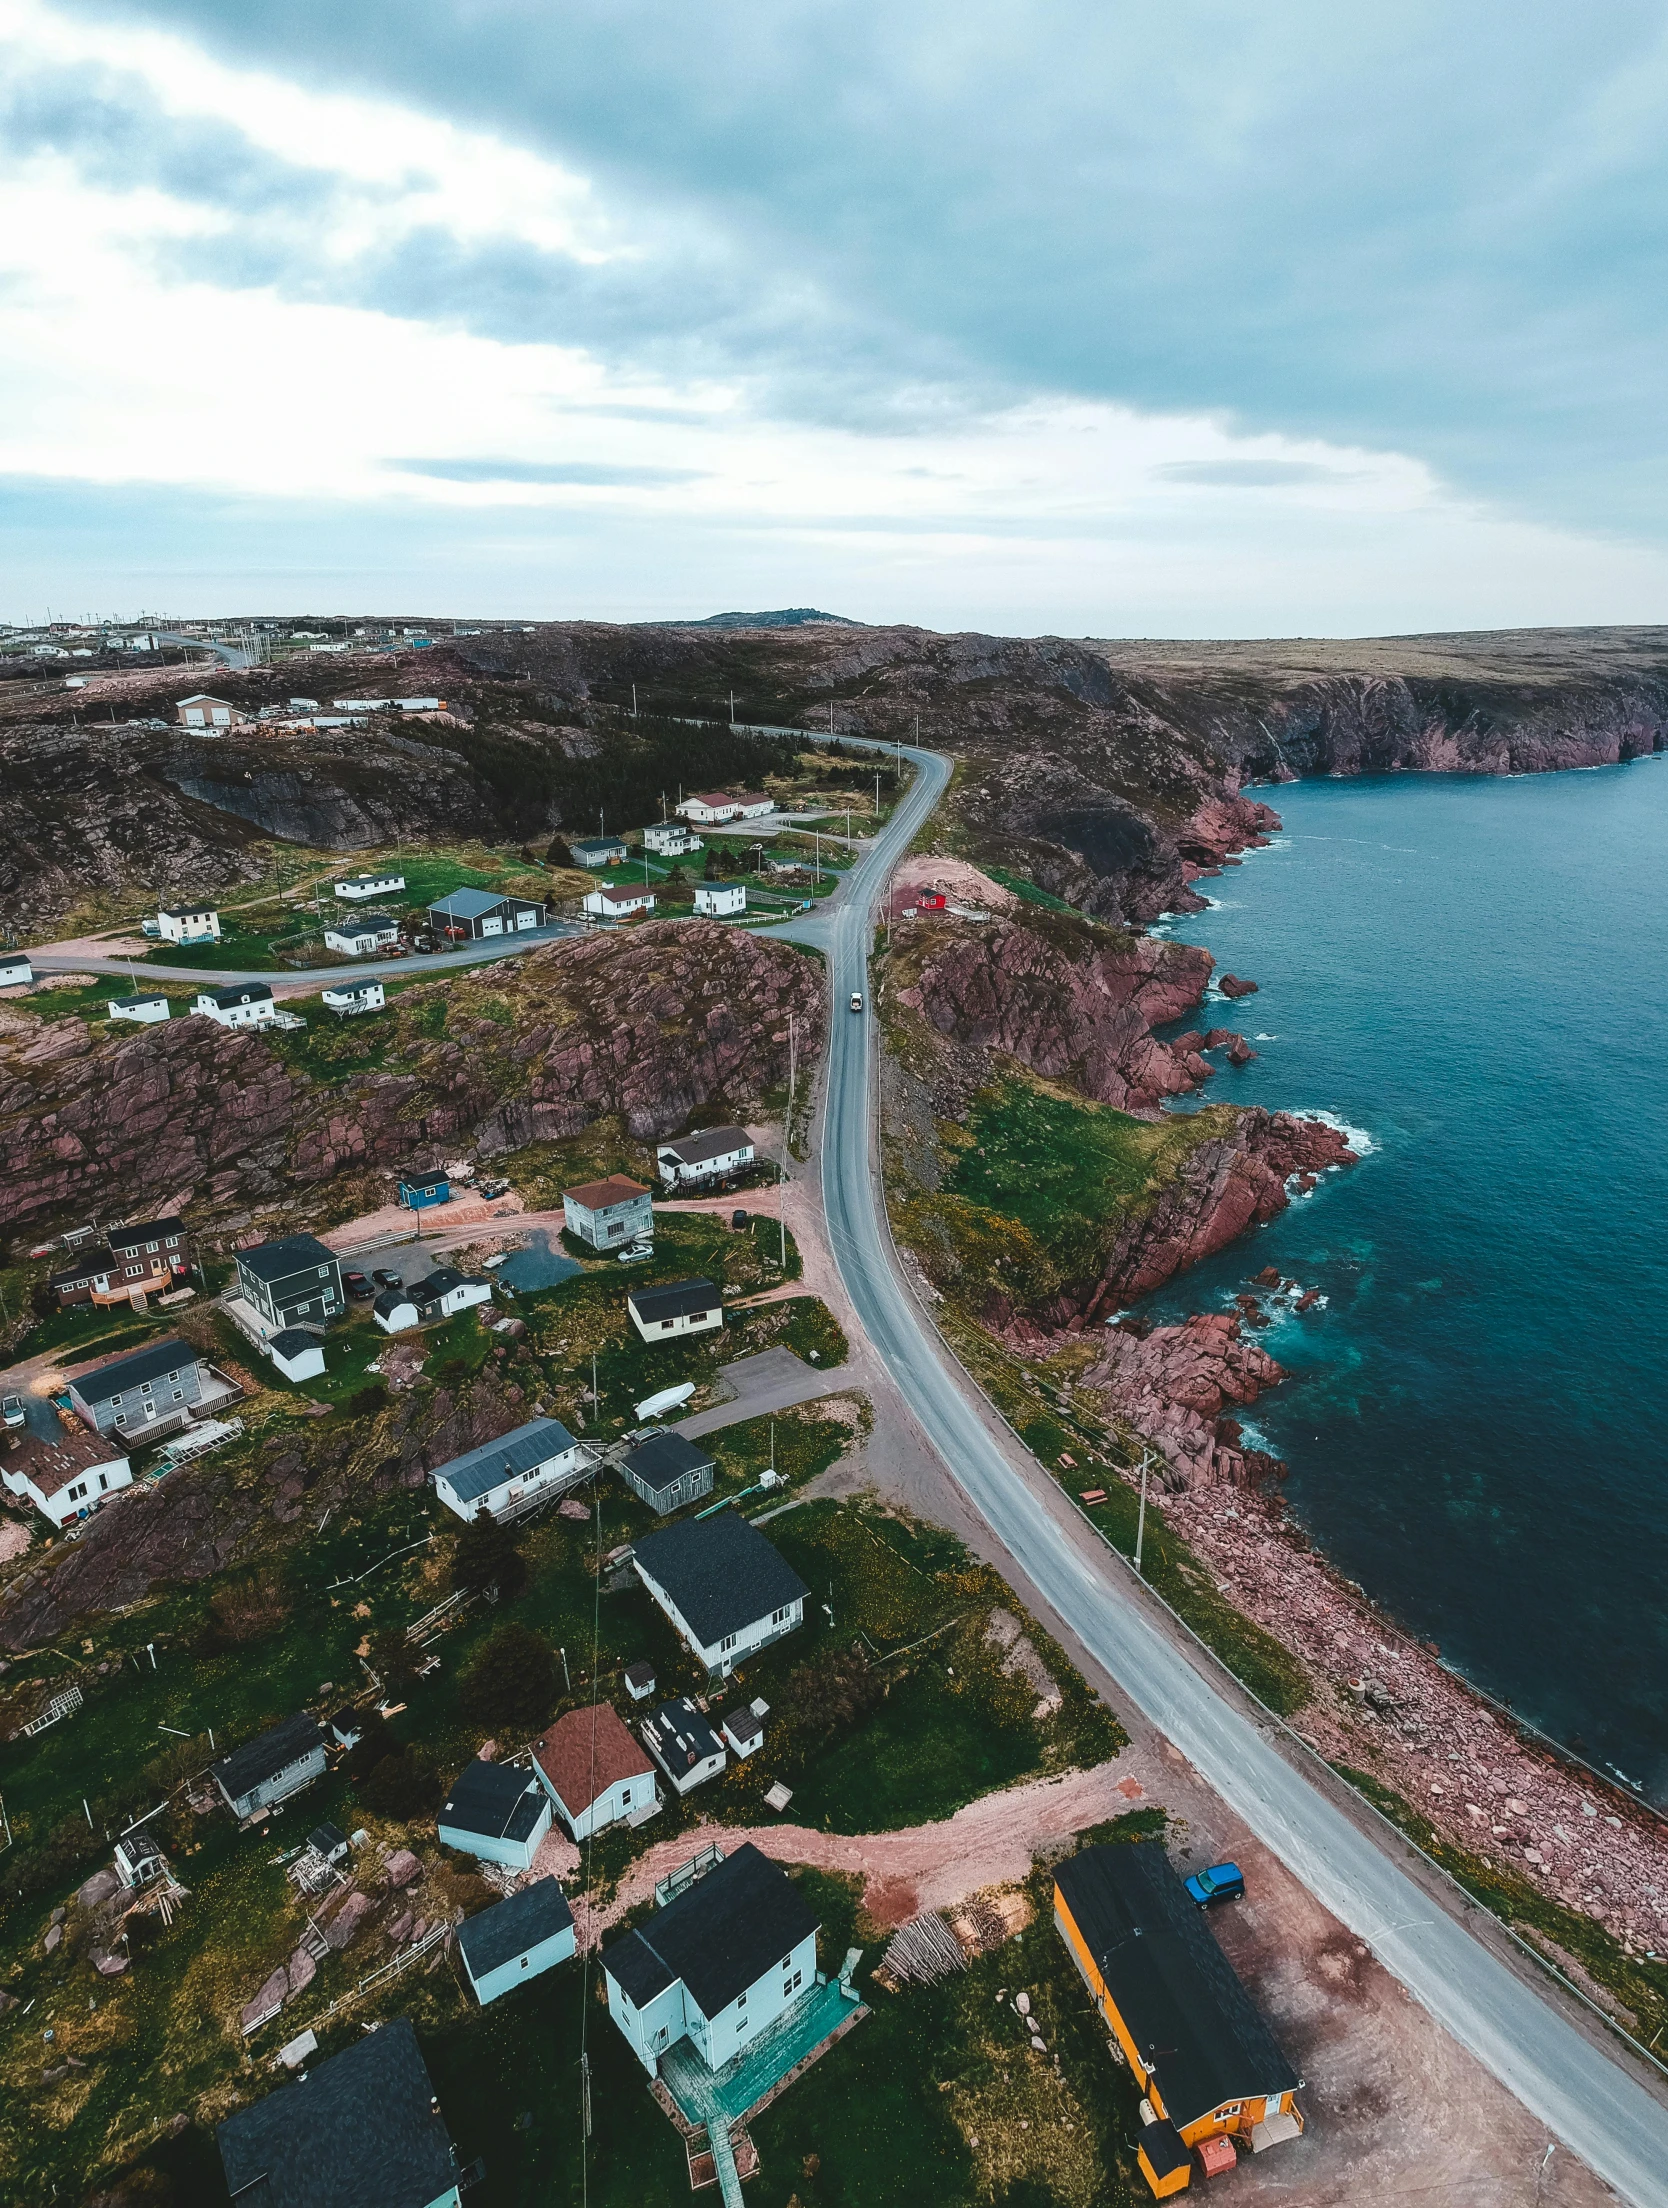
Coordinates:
[524,1962]
[173,1376]
[729,1641]
[179,1395]
[1230,2108]
[115,1399]
[144,1387]
[134,1272]
[666,1326]
[792,1984]
[151,1245]
[324,1272]
[121,1418]
[741,2000]
[103,1483]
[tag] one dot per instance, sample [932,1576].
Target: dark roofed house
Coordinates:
[725,1589]
[681,1307]
[294,1281]
[268,1769]
[496,1812]
[516,1940]
[362,2130]
[684,1744]
[142,1394]
[445,1292]
[729,1956]
[667,1471]
[693,1160]
[238,1004]
[1200,2052]
[469,915]
[137,1262]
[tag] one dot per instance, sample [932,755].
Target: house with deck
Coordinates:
[362,935]
[598,851]
[347,999]
[362,2129]
[239,1004]
[136,1262]
[693,1162]
[517,1940]
[671,839]
[717,1966]
[144,1394]
[726,1591]
[594,1771]
[539,1458]
[1207,2065]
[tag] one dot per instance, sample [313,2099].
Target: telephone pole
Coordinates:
[1141,1514]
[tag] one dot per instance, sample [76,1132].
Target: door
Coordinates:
[492,926]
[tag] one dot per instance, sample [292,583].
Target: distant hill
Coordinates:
[785,617]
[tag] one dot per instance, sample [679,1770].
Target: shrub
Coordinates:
[512,1681]
[831,1697]
[368,1401]
[402,1786]
[486,1557]
[376,1740]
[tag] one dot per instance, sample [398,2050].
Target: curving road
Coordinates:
[1580,2084]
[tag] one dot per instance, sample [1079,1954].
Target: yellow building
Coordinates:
[1206,2063]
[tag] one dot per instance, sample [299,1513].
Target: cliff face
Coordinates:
[1221,1189]
[1175,1384]
[1070,1004]
[650,1024]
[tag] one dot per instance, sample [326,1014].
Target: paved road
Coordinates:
[1589,2097]
[769,1380]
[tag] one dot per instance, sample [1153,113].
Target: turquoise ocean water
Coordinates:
[1474,972]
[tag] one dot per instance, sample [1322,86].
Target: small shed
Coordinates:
[639,1679]
[684,1744]
[667,1471]
[329,1842]
[139,1861]
[276,1764]
[516,1940]
[497,1813]
[744,1729]
[297,1354]
[394,1311]
[147,1006]
[417,1191]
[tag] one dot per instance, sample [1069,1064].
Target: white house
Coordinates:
[276,1764]
[709,809]
[618,900]
[594,1771]
[753,805]
[719,900]
[15,970]
[726,1591]
[514,1941]
[202,711]
[362,936]
[243,1004]
[681,1307]
[358,887]
[395,1312]
[139,1860]
[66,1477]
[691,1160]
[717,1965]
[145,1005]
[445,1292]
[351,997]
[188,924]
[671,839]
[743,1729]
[598,851]
[609,1214]
[684,1744]
[496,1812]
[529,1460]
[297,1354]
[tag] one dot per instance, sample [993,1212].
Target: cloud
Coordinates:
[595,474]
[1249,475]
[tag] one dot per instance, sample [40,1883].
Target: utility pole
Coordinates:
[732,709]
[595,1417]
[1141,1514]
[634,713]
[877,801]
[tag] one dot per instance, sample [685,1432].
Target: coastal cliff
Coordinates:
[651,1025]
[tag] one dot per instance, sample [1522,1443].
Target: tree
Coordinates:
[710,870]
[512,1682]
[559,853]
[376,1740]
[676,879]
[393,1659]
[487,1559]
[402,1786]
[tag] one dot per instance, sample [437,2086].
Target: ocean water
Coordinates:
[1474,972]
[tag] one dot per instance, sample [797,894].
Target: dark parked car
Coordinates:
[1222,1882]
[738,1220]
[357,1286]
[386,1279]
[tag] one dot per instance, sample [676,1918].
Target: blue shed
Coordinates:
[515,1940]
[424,1189]
[497,1813]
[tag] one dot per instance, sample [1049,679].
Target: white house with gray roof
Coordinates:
[724,1588]
[536,1459]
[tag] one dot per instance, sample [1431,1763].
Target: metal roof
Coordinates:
[269,1753]
[510,1928]
[700,1149]
[478,1471]
[470,904]
[123,1373]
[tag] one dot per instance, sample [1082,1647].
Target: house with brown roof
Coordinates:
[594,1771]
[710,807]
[65,1477]
[609,1214]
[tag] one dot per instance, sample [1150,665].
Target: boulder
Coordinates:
[1233,985]
[403,1867]
[110,1966]
[300,1972]
[98,1888]
[339,1932]
[401,1925]
[54,1937]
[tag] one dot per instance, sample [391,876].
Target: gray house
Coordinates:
[667,1471]
[292,1282]
[693,1160]
[143,1394]
[361,2130]
[468,915]
[270,1768]
[594,851]
[609,1214]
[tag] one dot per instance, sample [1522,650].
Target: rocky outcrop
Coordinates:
[1069,1002]
[1222,1187]
[651,1024]
[1174,1384]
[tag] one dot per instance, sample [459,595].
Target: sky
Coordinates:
[1066,316]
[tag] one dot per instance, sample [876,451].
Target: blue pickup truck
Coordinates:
[1222,1882]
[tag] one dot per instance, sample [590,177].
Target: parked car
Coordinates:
[1222,1882]
[738,1220]
[638,1253]
[386,1278]
[357,1286]
[11,1407]
[492,1190]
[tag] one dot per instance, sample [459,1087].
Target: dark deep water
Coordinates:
[1473,971]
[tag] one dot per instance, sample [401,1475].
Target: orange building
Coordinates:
[1207,2065]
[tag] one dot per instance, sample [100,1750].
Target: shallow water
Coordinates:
[540,1265]
[1472,971]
